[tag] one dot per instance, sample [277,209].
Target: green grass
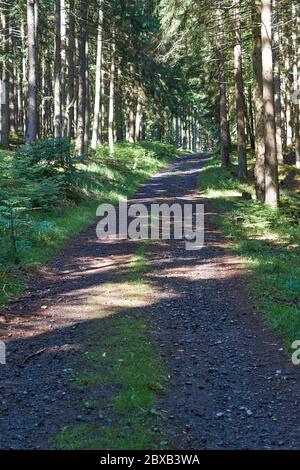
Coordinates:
[101,179]
[267,240]
[126,358]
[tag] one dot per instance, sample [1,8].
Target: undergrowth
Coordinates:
[267,239]
[47,196]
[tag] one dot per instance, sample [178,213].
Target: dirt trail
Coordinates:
[233,387]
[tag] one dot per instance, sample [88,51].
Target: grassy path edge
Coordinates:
[268,242]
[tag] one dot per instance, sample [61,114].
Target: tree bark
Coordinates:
[259,170]
[111,95]
[80,138]
[87,120]
[239,92]
[57,74]
[138,118]
[63,45]
[71,80]
[288,91]
[297,88]
[176,131]
[13,93]
[24,80]
[96,136]
[271,165]
[250,118]
[32,118]
[277,82]
[224,125]
[131,122]
[4,84]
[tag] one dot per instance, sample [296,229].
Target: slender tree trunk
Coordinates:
[57,73]
[20,121]
[49,81]
[271,165]
[277,82]
[43,119]
[71,87]
[119,127]
[102,115]
[283,93]
[87,120]
[24,80]
[13,94]
[250,118]
[63,45]
[80,147]
[96,137]
[239,91]
[131,122]
[4,83]
[288,91]
[182,131]
[224,125]
[176,131]
[259,170]
[297,89]
[32,119]
[297,139]
[111,95]
[144,127]
[127,110]
[190,132]
[138,117]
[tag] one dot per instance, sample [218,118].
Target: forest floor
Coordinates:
[126,344]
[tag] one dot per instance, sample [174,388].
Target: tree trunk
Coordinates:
[297,90]
[24,80]
[250,118]
[277,82]
[138,118]
[13,93]
[63,45]
[271,165]
[131,123]
[111,95]
[288,91]
[57,74]
[239,91]
[49,86]
[38,71]
[87,120]
[224,125]
[80,138]
[71,88]
[177,132]
[32,121]
[297,139]
[96,137]
[4,83]
[259,170]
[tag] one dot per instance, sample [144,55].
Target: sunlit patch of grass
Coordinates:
[121,355]
[140,263]
[267,240]
[11,285]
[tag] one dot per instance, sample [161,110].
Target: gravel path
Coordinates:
[233,386]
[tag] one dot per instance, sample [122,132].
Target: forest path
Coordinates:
[232,385]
